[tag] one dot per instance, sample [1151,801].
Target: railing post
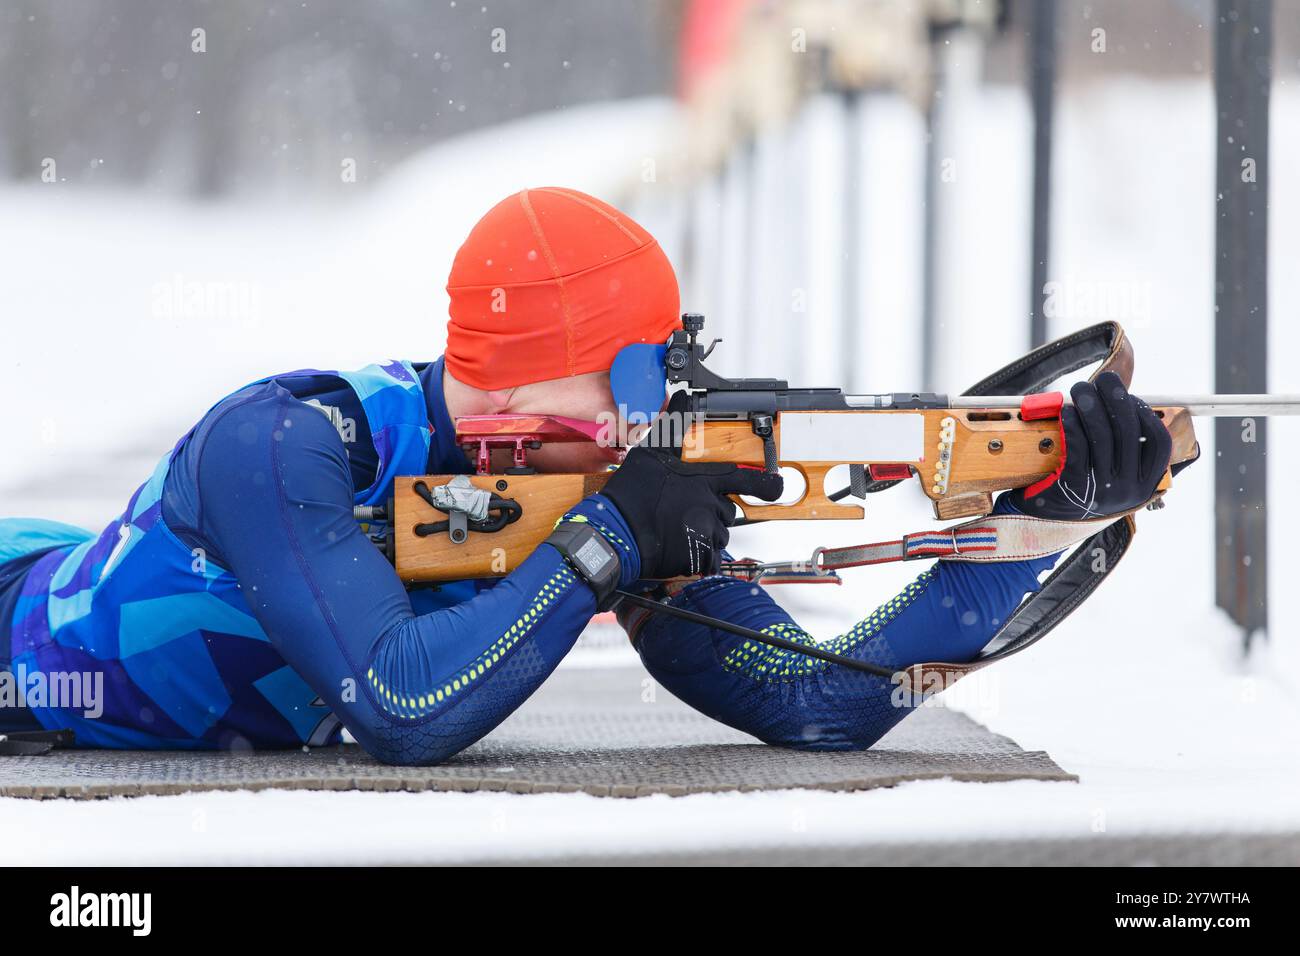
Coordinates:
[1042,91]
[1242,76]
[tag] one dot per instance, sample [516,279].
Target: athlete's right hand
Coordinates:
[679,511]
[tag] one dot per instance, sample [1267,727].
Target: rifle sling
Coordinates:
[1075,578]
[1104,342]
[1068,586]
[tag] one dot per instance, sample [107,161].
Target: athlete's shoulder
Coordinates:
[265,417]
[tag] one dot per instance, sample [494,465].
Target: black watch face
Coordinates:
[593,557]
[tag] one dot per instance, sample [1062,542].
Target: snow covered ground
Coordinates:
[1142,694]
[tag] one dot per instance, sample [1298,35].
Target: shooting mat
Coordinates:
[595,730]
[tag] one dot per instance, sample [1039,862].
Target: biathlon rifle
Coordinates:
[1005,432]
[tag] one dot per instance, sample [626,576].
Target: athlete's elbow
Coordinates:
[408,756]
[408,745]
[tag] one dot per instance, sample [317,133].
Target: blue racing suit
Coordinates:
[237,603]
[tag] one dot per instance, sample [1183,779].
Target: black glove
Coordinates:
[678,511]
[1109,468]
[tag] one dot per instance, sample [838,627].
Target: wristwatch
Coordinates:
[591,556]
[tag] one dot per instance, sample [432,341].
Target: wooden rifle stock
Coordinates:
[991,449]
[1003,433]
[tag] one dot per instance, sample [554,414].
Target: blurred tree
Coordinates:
[113,90]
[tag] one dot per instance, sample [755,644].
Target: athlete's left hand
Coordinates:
[1116,452]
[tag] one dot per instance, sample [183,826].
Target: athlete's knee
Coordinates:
[857,725]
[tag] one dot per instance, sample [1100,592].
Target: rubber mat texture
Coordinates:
[602,731]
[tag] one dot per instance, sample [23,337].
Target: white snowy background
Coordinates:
[1144,693]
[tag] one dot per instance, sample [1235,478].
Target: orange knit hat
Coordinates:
[552,283]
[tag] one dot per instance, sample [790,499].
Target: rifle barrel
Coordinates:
[1213,406]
